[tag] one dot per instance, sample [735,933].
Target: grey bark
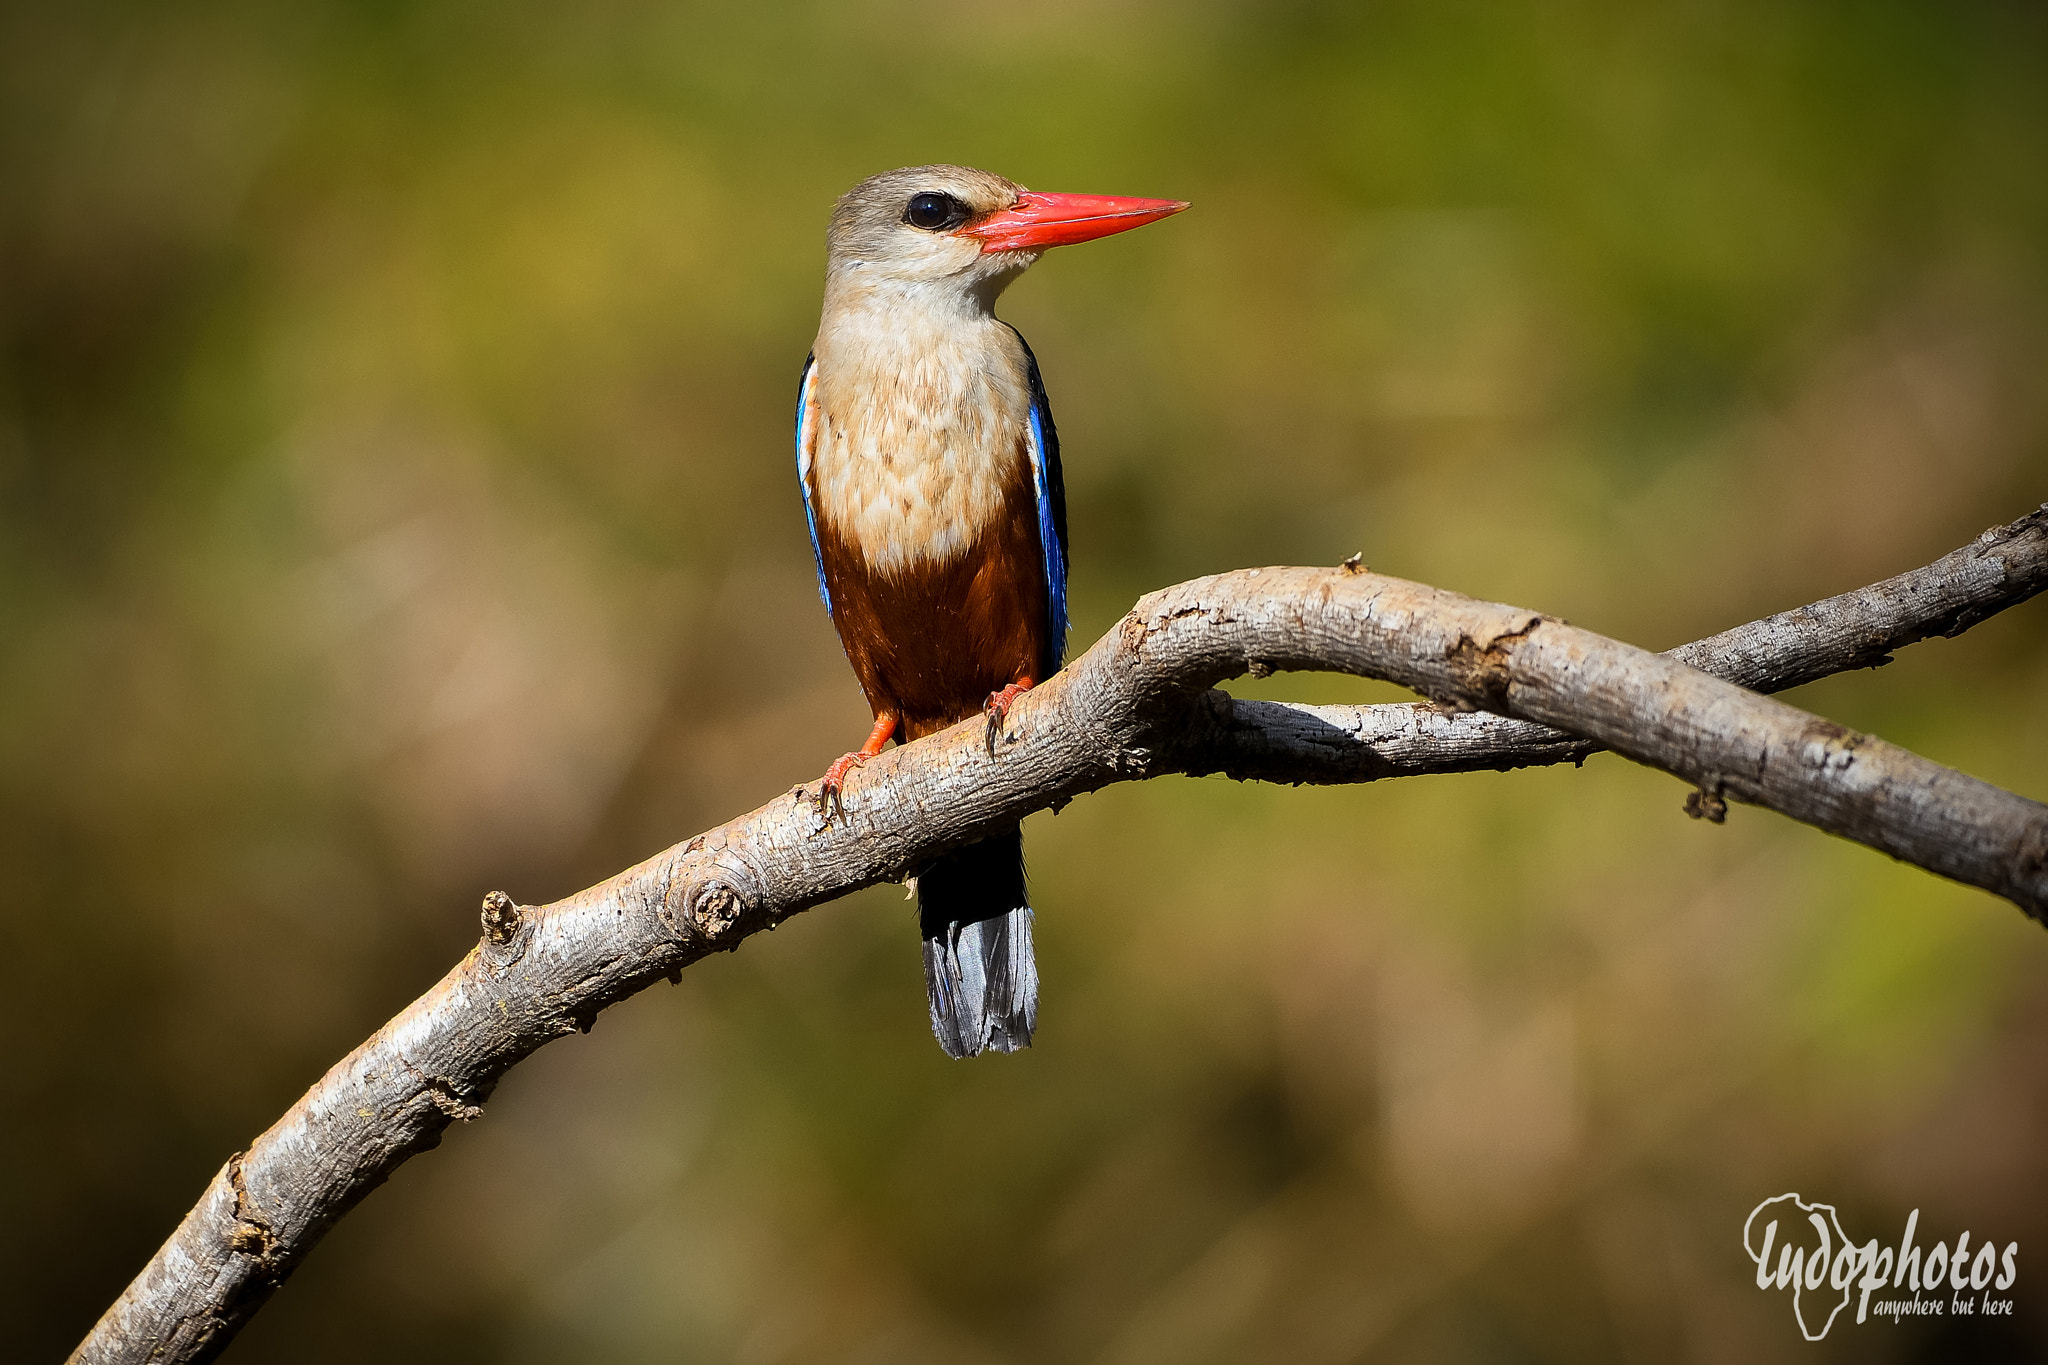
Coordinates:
[1138,704]
[1290,742]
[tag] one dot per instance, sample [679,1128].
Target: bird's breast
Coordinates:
[918,446]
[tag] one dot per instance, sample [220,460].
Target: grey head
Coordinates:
[902,230]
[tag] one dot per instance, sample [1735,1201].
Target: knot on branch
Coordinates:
[705,896]
[441,1093]
[1480,673]
[251,1234]
[1706,802]
[501,919]
[1828,747]
[712,908]
[250,1239]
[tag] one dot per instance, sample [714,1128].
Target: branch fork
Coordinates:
[1510,687]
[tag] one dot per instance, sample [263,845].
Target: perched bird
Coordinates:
[931,480]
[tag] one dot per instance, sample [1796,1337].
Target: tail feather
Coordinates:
[979,970]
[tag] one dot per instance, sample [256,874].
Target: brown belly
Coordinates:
[931,641]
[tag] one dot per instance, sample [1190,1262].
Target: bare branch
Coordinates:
[1290,742]
[1138,704]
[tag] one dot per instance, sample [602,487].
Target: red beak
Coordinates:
[1042,220]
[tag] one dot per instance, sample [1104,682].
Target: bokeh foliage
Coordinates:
[396,503]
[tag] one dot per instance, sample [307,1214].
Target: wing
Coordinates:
[1052,515]
[805,435]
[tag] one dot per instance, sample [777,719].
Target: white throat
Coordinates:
[920,413]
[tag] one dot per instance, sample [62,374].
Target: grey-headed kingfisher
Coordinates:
[931,480]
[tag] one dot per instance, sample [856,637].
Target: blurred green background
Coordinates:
[396,503]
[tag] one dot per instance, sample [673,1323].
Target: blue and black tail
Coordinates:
[978,967]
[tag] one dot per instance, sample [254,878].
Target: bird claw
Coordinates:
[997,708]
[832,791]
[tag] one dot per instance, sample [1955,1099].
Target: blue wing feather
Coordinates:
[1051,488]
[803,474]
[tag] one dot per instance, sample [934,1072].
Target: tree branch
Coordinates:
[1291,742]
[1138,704]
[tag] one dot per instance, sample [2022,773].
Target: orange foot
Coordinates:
[830,792]
[997,708]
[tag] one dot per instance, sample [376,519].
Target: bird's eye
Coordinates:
[935,212]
